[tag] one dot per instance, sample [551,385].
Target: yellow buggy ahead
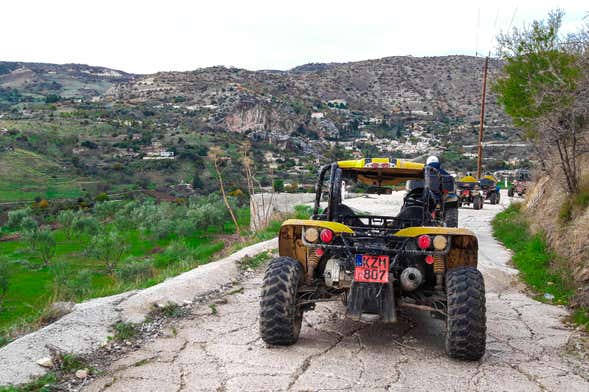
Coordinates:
[377,265]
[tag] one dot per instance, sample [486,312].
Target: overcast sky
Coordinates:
[161,35]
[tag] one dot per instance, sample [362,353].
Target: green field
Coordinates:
[33,286]
[25,175]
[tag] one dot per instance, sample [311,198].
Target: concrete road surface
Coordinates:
[527,346]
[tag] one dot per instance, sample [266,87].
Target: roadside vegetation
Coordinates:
[539,266]
[104,249]
[90,251]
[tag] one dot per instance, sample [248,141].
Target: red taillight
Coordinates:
[424,241]
[326,236]
[429,259]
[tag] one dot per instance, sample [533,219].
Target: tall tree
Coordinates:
[544,90]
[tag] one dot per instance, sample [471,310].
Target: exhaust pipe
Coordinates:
[411,278]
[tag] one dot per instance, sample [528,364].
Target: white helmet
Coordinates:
[432,159]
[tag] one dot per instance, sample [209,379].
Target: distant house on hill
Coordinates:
[156,151]
[317,115]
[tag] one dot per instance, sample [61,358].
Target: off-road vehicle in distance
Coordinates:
[520,184]
[490,189]
[377,265]
[469,192]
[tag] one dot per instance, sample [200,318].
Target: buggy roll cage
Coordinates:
[430,175]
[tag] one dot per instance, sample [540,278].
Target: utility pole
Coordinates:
[482,121]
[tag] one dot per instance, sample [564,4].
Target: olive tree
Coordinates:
[41,243]
[109,248]
[16,217]
[67,219]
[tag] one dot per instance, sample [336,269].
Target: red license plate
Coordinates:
[372,269]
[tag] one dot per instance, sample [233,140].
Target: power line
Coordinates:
[494,32]
[512,19]
[476,43]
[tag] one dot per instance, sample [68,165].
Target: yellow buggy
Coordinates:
[376,264]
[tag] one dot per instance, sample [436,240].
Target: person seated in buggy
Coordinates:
[440,200]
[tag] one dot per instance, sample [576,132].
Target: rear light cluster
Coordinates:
[424,241]
[326,236]
[438,242]
[312,235]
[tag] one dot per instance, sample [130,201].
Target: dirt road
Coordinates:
[526,350]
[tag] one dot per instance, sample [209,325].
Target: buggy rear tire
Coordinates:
[493,198]
[510,192]
[466,322]
[451,217]
[477,202]
[280,318]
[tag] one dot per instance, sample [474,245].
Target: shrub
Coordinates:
[582,199]
[108,248]
[123,222]
[175,252]
[28,224]
[68,220]
[278,185]
[303,211]
[163,229]
[88,225]
[565,213]
[125,331]
[61,273]
[80,285]
[101,197]
[15,217]
[186,227]
[207,211]
[41,243]
[106,209]
[52,98]
[133,270]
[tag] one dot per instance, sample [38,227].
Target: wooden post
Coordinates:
[482,120]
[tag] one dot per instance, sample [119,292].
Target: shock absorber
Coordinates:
[312,262]
[439,268]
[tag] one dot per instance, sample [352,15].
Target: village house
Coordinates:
[156,151]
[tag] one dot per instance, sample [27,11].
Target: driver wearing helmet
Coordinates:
[434,162]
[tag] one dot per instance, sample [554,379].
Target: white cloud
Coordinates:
[155,35]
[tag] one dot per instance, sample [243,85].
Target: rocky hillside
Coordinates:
[395,105]
[155,130]
[68,80]
[432,87]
